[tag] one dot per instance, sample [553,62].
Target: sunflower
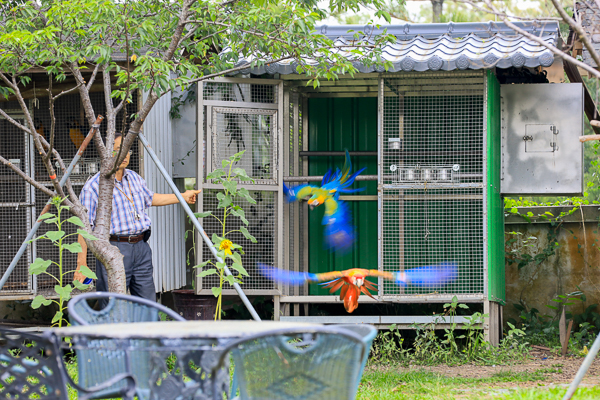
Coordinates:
[226,245]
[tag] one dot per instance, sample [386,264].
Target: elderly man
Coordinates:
[129,226]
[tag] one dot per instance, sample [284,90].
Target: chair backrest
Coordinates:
[317,364]
[96,365]
[30,367]
[367,334]
[119,308]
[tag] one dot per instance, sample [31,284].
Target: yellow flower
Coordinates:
[133,58]
[226,245]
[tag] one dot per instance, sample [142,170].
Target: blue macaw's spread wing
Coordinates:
[339,231]
[279,275]
[429,276]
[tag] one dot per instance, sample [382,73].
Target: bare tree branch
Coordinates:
[93,77]
[27,178]
[577,28]
[542,42]
[66,91]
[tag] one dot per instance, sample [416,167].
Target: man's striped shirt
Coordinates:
[122,221]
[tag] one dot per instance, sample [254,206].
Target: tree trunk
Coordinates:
[437,6]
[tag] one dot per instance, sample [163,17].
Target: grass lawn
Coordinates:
[416,385]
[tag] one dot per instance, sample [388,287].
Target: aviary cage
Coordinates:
[425,157]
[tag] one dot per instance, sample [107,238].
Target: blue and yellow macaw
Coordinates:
[353,282]
[339,232]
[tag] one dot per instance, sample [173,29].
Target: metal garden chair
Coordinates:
[323,363]
[31,366]
[96,364]
[367,333]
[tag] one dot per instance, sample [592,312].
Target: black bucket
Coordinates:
[194,307]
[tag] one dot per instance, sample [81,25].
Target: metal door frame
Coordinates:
[205,129]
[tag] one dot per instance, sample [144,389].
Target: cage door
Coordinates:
[244,115]
[15,205]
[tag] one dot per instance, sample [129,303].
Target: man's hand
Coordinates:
[190,196]
[78,276]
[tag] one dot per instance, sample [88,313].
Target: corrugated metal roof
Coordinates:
[446,47]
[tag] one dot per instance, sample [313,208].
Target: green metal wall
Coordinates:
[338,124]
[495,206]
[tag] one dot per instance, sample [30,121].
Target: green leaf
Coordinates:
[79,285]
[240,269]
[215,174]
[57,317]
[463,306]
[203,214]
[204,273]
[39,266]
[86,235]
[216,240]
[45,216]
[230,279]
[241,214]
[247,234]
[88,273]
[63,291]
[202,265]
[235,257]
[76,221]
[73,247]
[39,301]
[225,163]
[50,221]
[216,291]
[221,265]
[241,174]
[237,156]
[244,192]
[224,200]
[231,186]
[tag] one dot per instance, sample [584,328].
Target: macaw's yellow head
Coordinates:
[319,196]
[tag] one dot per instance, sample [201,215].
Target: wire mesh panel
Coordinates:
[435,121]
[70,131]
[241,92]
[251,130]
[430,227]
[432,171]
[262,224]
[13,230]
[15,201]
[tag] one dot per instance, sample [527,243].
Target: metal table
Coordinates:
[175,358]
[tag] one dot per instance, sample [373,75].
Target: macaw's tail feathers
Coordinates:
[351,298]
[326,177]
[279,275]
[349,181]
[433,276]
